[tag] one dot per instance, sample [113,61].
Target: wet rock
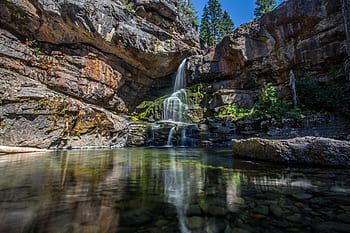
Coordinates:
[294,218]
[194,210]
[161,222]
[302,196]
[344,217]
[217,210]
[346,208]
[276,210]
[136,217]
[305,150]
[236,230]
[330,227]
[194,222]
[261,209]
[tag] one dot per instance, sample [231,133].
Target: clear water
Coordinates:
[167,190]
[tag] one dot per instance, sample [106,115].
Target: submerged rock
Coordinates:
[306,150]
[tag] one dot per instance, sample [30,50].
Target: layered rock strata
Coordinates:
[308,37]
[68,69]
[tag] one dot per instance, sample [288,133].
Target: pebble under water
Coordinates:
[168,190]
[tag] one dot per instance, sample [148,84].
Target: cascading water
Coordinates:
[175,107]
[170,137]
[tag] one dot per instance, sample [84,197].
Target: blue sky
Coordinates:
[241,11]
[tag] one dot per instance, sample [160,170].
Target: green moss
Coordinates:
[197,101]
[152,110]
[2,125]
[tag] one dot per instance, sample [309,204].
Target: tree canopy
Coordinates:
[215,23]
[264,6]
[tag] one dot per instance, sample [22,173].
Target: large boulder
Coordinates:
[306,150]
[308,37]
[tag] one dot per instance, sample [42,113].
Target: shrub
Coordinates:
[331,96]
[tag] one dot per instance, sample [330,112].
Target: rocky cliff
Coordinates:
[68,68]
[308,37]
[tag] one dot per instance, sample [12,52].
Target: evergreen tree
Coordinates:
[227,24]
[214,24]
[264,6]
[215,17]
[205,32]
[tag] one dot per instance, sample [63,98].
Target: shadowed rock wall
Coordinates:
[67,68]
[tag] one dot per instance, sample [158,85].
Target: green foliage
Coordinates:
[267,106]
[264,6]
[126,4]
[197,93]
[186,7]
[214,23]
[227,24]
[234,111]
[331,96]
[35,47]
[270,105]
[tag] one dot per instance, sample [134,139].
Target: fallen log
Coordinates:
[12,149]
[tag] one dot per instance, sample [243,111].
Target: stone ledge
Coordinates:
[315,151]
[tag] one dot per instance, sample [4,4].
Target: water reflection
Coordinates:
[165,190]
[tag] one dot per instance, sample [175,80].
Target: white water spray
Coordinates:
[175,107]
[170,136]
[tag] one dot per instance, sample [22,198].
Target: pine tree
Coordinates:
[214,24]
[227,24]
[215,16]
[264,6]
[205,32]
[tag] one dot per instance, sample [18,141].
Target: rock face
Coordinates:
[308,37]
[306,150]
[68,67]
[33,115]
[241,98]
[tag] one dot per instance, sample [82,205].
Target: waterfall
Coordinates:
[293,87]
[170,136]
[183,137]
[180,80]
[175,107]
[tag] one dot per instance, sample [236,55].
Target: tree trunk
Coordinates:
[11,150]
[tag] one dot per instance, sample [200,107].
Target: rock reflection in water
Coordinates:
[166,190]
